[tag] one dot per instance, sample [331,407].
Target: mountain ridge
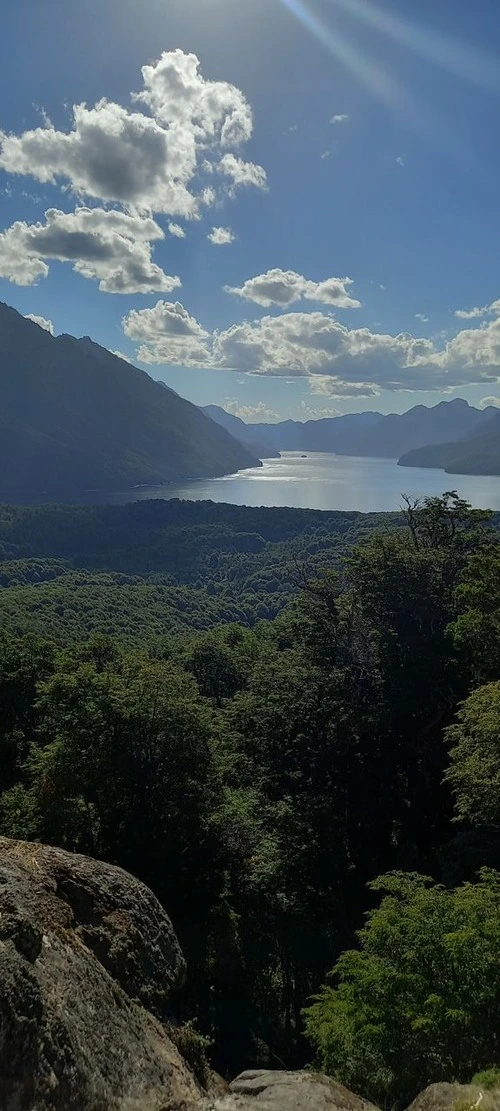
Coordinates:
[75,416]
[478,453]
[369,434]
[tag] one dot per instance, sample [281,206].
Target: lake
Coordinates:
[317,480]
[324,481]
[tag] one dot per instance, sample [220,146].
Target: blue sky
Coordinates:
[286,216]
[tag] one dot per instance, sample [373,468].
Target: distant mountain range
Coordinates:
[73,417]
[477,453]
[436,433]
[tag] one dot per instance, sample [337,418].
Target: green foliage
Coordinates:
[476,631]
[474,772]
[193,1047]
[258,773]
[419,1001]
[489,1079]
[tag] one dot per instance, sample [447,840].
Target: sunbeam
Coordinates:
[364,68]
[426,123]
[461,61]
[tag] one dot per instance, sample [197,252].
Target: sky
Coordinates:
[286,207]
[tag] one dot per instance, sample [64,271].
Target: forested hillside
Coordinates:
[275,781]
[76,417]
[144,570]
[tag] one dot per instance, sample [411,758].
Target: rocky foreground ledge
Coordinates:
[88,961]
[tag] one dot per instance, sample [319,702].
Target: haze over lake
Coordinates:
[324,481]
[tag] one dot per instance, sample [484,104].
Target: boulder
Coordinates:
[456,1097]
[289,1091]
[88,961]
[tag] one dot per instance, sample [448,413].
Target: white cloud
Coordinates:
[147,162]
[120,355]
[323,385]
[336,360]
[242,173]
[486,401]
[340,117]
[168,334]
[286,287]
[111,247]
[221,237]
[471,314]
[250,413]
[422,317]
[400,160]
[42,322]
[478,313]
[326,154]
[309,412]
[178,95]
[176,230]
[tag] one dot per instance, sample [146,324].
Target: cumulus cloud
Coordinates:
[153,161]
[120,355]
[310,412]
[176,230]
[42,322]
[400,160]
[242,173]
[340,117]
[336,360]
[111,247]
[221,237]
[422,317]
[485,402]
[286,287]
[479,313]
[251,413]
[168,334]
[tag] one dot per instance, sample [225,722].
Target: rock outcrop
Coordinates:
[289,1091]
[456,1097]
[88,962]
[88,958]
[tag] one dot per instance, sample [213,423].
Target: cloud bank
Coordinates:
[110,247]
[338,361]
[173,151]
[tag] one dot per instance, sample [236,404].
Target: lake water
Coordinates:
[323,481]
[315,481]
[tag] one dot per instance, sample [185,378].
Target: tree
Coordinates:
[215,669]
[123,768]
[476,630]
[474,772]
[419,1001]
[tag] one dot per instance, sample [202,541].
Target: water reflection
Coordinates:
[318,481]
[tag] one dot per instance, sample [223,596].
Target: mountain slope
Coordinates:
[241,431]
[366,434]
[326,434]
[74,416]
[401,432]
[476,454]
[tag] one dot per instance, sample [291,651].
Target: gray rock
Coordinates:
[456,1097]
[288,1091]
[88,957]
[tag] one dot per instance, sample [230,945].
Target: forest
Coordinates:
[287,724]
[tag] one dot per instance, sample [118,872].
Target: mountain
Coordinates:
[241,431]
[401,432]
[368,434]
[327,434]
[478,453]
[74,417]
